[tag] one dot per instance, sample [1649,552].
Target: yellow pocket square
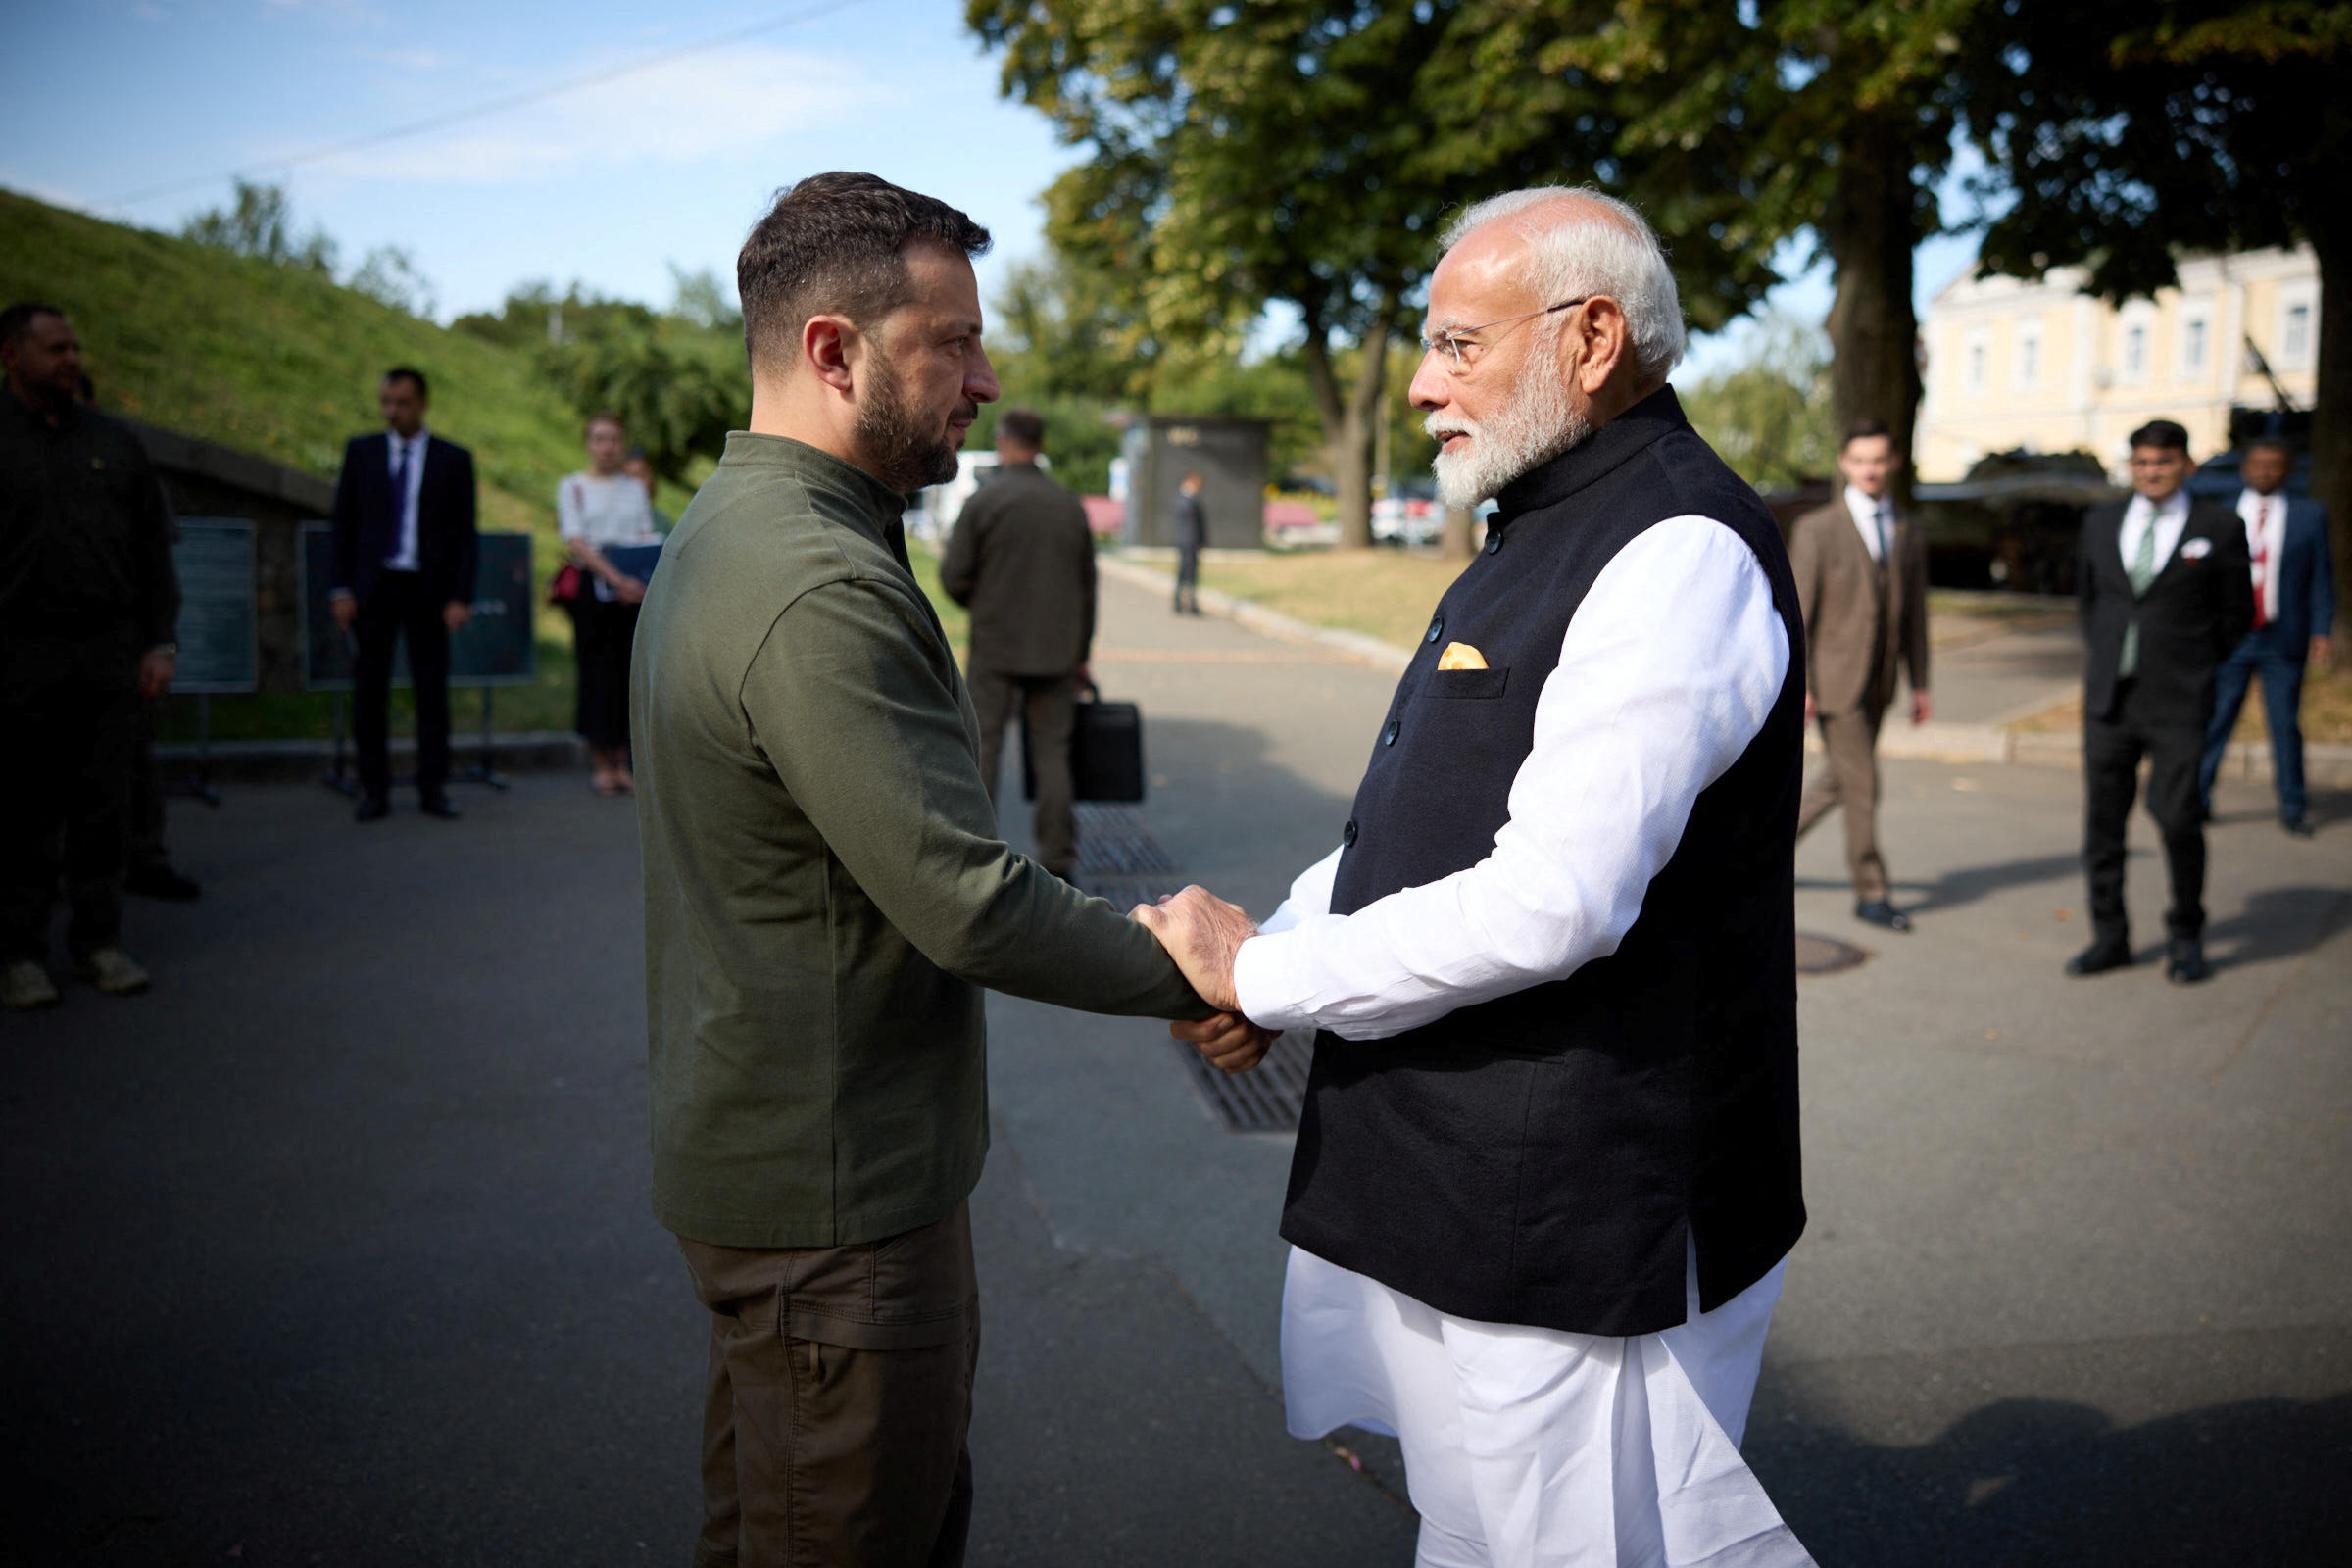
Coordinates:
[1461,656]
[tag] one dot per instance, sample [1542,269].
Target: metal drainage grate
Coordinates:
[1124,854]
[1826,954]
[1264,1099]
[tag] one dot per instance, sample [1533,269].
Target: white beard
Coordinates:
[1536,425]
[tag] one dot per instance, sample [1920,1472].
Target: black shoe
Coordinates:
[438,805]
[2184,961]
[160,882]
[371,808]
[2099,958]
[2299,827]
[1883,913]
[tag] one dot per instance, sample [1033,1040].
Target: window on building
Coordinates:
[2192,347]
[1975,366]
[2294,338]
[2135,352]
[2029,359]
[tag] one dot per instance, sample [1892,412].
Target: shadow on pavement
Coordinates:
[2038,1481]
[2277,923]
[1971,883]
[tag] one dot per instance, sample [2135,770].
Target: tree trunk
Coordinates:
[1453,543]
[1348,425]
[1870,232]
[2331,417]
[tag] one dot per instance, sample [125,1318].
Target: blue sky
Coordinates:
[139,110]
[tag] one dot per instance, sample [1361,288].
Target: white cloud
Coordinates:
[682,110]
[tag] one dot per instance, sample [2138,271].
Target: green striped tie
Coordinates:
[2143,573]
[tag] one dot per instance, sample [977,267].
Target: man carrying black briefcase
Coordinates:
[1022,560]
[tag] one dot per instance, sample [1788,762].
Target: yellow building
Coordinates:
[2042,366]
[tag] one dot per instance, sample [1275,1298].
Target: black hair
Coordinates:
[405,373]
[1863,431]
[2165,433]
[16,320]
[1023,428]
[836,243]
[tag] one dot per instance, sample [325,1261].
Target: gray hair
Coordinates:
[1575,249]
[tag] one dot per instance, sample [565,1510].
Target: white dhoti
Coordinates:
[1527,1448]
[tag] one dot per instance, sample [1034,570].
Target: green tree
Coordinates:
[1769,415]
[260,224]
[1307,152]
[2132,133]
[1839,118]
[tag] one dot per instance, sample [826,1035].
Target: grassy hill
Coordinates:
[277,361]
[282,363]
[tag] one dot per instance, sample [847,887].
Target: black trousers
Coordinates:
[70,707]
[399,606]
[1048,708]
[2112,750]
[1188,577]
[604,634]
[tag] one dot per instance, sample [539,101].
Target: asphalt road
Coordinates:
[336,1250]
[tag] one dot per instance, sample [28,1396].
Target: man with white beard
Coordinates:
[1546,1179]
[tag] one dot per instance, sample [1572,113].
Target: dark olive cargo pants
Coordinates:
[839,1398]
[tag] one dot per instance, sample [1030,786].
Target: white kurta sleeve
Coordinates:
[1311,895]
[1666,674]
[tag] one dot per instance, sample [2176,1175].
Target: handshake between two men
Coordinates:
[1202,933]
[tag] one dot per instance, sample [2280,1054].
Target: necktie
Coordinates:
[1885,535]
[2262,540]
[2143,573]
[400,495]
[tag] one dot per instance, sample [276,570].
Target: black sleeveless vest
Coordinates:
[1543,1157]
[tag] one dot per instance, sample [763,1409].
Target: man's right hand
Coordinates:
[630,590]
[1230,1042]
[1809,710]
[346,611]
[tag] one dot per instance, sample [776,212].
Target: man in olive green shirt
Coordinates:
[825,896]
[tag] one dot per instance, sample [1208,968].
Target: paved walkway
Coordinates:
[335,1249]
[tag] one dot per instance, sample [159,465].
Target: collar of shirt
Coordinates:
[1865,513]
[2250,503]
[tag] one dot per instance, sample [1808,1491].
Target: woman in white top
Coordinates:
[596,510]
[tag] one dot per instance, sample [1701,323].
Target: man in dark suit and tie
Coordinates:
[1862,580]
[2294,610]
[1022,561]
[2162,582]
[404,568]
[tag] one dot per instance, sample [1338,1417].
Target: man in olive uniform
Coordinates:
[88,600]
[1022,561]
[825,898]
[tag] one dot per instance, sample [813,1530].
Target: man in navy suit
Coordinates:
[2163,586]
[403,567]
[2294,610]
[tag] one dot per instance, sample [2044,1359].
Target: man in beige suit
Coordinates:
[1862,578]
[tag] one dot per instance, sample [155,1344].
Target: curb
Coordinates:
[1358,646]
[275,762]
[1935,741]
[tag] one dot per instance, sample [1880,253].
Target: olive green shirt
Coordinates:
[825,894]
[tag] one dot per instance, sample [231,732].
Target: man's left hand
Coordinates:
[456,614]
[2322,651]
[1923,708]
[1202,933]
[156,669]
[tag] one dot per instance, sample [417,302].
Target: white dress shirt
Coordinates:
[605,510]
[2266,539]
[1643,712]
[1868,514]
[2168,520]
[404,456]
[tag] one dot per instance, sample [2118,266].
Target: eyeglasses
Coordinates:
[1462,347]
